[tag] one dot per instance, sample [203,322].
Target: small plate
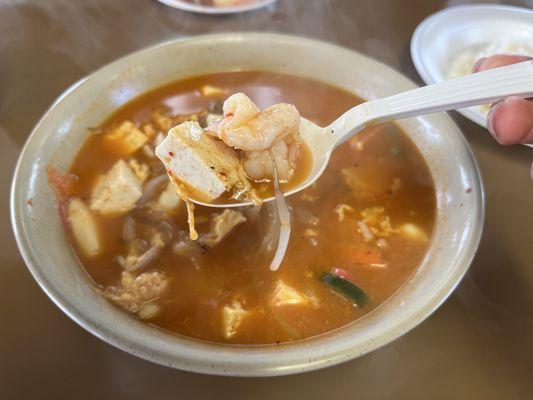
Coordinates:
[199,8]
[456,37]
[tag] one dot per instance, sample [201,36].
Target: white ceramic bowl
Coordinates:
[443,37]
[60,133]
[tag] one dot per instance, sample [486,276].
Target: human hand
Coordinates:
[510,121]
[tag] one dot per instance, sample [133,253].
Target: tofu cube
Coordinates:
[208,90]
[117,191]
[414,232]
[129,136]
[202,167]
[287,295]
[140,169]
[232,317]
[84,227]
[168,199]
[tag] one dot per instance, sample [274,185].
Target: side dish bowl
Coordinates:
[58,136]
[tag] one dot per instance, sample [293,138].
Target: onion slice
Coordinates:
[284,219]
[151,188]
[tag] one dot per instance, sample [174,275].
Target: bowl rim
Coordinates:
[242,367]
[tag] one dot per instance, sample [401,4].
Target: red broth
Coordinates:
[368,219]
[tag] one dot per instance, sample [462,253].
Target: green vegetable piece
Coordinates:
[346,288]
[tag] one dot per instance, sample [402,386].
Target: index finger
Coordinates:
[498,60]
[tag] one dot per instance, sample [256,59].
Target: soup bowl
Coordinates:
[58,136]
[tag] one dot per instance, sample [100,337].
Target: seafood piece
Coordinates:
[259,167]
[245,127]
[135,292]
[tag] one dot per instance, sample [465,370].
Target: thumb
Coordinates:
[511,121]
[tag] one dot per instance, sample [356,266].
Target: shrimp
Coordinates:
[245,127]
[258,164]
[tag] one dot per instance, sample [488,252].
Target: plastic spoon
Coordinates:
[480,88]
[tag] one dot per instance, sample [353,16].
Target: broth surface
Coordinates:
[379,177]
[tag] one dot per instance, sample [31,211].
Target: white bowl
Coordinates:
[443,37]
[58,136]
[199,8]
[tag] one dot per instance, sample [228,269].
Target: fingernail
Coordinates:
[478,63]
[490,118]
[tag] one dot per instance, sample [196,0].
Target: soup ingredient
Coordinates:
[117,191]
[63,186]
[148,311]
[232,317]
[84,227]
[245,127]
[137,259]
[200,166]
[287,295]
[414,232]
[284,216]
[208,90]
[143,252]
[193,234]
[341,210]
[231,269]
[136,292]
[212,118]
[128,137]
[168,199]
[342,273]
[141,170]
[346,288]
[151,189]
[259,166]
[221,225]
[376,222]
[62,183]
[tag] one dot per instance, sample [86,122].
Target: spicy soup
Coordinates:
[357,234]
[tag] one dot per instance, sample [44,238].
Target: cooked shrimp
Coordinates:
[245,127]
[258,164]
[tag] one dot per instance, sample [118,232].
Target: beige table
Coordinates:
[478,345]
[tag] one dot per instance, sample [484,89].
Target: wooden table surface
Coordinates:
[478,345]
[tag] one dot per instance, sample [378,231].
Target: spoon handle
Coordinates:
[480,88]
[471,90]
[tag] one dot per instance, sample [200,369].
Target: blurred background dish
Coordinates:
[218,6]
[448,43]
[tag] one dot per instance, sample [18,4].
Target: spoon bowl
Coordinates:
[319,141]
[472,90]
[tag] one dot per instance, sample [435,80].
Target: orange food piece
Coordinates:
[62,183]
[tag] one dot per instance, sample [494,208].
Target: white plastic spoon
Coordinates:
[480,88]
